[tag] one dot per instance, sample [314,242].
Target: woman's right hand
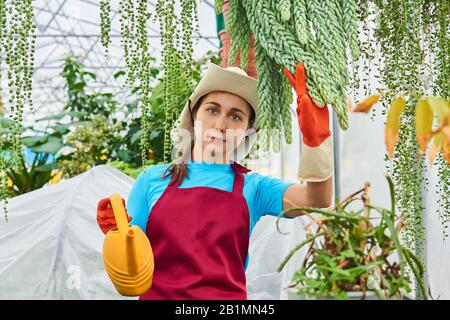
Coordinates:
[105,215]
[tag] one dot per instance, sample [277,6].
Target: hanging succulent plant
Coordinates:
[134,17]
[314,32]
[105,25]
[176,59]
[17,46]
[130,37]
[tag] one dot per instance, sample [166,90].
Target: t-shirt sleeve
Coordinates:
[137,204]
[269,195]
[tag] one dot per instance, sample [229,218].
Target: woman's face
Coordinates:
[221,122]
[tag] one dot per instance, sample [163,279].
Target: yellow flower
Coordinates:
[103,157]
[9,183]
[105,151]
[55,179]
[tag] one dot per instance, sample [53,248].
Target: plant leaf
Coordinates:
[63,114]
[393,124]
[32,141]
[439,106]
[46,167]
[51,146]
[424,123]
[367,104]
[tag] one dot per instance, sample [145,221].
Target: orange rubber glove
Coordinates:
[105,215]
[314,122]
[316,156]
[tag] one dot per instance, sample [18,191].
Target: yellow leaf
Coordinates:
[367,104]
[439,106]
[424,123]
[393,124]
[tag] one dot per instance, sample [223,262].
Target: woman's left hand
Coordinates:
[314,121]
[316,156]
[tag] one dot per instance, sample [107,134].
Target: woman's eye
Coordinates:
[235,117]
[212,110]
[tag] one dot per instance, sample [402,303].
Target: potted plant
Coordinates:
[350,253]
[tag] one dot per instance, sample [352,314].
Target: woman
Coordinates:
[199,211]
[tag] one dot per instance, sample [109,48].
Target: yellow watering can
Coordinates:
[127,254]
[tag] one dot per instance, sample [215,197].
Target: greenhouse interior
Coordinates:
[302,147]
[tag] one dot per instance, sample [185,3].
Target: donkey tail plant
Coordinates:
[348,252]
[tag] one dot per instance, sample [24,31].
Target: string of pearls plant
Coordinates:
[176,59]
[105,25]
[317,33]
[17,50]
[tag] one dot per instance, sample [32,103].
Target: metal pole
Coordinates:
[336,152]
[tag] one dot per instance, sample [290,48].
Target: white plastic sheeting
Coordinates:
[51,246]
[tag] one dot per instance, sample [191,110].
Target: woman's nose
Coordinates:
[221,124]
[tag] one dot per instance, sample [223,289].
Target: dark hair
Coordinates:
[179,171]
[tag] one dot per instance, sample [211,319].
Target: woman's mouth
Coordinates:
[216,139]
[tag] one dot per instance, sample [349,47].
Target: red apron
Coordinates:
[200,239]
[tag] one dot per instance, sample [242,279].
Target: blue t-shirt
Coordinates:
[264,194]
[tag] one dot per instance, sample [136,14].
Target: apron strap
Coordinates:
[239,170]
[238,183]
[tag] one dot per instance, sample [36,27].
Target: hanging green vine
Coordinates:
[134,17]
[130,36]
[176,59]
[144,75]
[105,25]
[399,27]
[17,47]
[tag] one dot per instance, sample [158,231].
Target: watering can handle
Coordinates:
[119,213]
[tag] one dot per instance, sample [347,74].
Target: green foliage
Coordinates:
[77,79]
[130,169]
[28,178]
[89,144]
[351,250]
[25,178]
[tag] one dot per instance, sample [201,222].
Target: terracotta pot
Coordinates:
[225,50]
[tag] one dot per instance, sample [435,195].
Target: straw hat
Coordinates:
[233,80]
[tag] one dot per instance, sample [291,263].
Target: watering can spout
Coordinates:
[127,254]
[131,253]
